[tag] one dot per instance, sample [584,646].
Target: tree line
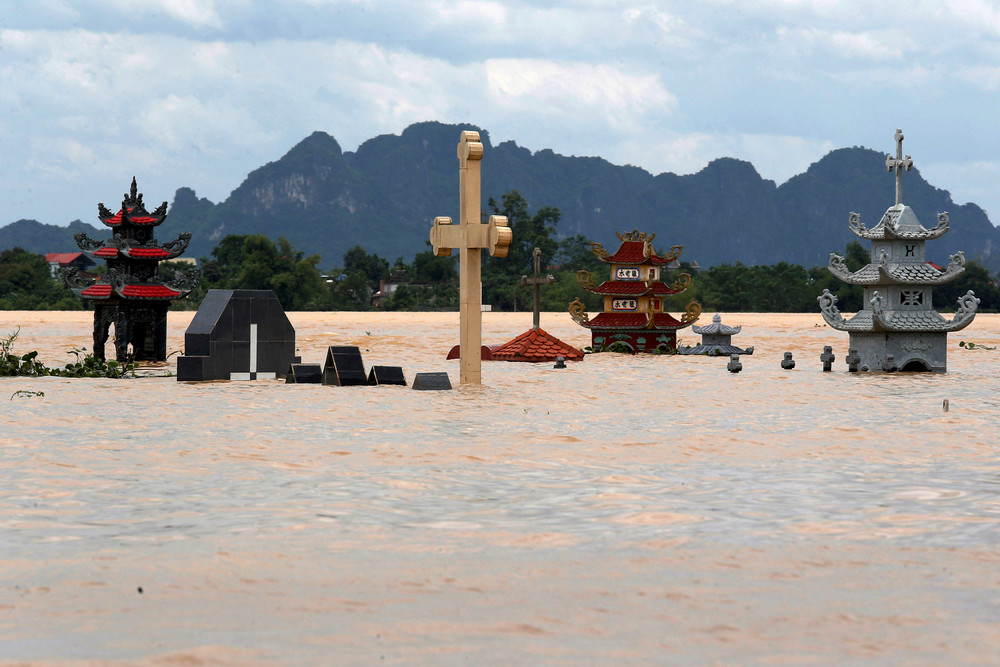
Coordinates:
[430,282]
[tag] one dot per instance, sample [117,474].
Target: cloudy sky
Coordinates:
[200,92]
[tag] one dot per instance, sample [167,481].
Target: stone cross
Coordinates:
[537,281]
[897,165]
[470,236]
[828,357]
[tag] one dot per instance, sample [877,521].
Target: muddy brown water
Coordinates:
[625,510]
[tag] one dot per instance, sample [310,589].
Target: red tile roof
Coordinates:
[97,291]
[633,321]
[63,258]
[662,289]
[149,292]
[536,345]
[107,252]
[633,252]
[633,288]
[621,288]
[618,321]
[116,219]
[148,253]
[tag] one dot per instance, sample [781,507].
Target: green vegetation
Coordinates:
[86,365]
[26,283]
[429,282]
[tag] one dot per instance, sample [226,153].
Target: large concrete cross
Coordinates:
[537,281]
[898,165]
[470,236]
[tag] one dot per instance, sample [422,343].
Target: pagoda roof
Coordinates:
[104,290]
[635,252]
[133,211]
[111,252]
[635,288]
[536,345]
[636,248]
[878,319]
[898,273]
[901,223]
[635,321]
[97,291]
[127,216]
[717,327]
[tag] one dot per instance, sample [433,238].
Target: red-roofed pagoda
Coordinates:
[633,317]
[131,294]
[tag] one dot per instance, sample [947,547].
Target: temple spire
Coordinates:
[897,165]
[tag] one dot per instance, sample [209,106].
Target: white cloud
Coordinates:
[196,13]
[472,15]
[867,45]
[621,98]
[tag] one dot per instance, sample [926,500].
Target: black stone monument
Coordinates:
[344,366]
[237,335]
[386,375]
[431,381]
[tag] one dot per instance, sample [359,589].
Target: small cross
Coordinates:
[537,281]
[470,236]
[897,165]
[828,357]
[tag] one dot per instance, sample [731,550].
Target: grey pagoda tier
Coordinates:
[898,324]
[716,340]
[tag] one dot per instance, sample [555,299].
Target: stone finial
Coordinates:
[889,365]
[560,362]
[827,358]
[788,363]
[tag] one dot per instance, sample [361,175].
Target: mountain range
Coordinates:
[384,195]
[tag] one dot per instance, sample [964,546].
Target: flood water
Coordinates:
[625,510]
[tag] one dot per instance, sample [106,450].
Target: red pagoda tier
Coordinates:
[633,317]
[130,294]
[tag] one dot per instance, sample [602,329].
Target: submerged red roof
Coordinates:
[536,345]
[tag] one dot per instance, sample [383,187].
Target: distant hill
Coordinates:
[384,196]
[35,237]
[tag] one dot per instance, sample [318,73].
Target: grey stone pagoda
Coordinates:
[898,324]
[716,340]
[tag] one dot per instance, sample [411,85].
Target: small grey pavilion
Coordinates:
[898,327]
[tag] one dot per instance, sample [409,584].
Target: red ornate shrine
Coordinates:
[633,316]
[131,294]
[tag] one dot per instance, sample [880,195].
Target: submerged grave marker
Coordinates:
[237,335]
[470,236]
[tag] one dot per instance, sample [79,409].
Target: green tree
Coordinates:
[255,262]
[502,276]
[26,283]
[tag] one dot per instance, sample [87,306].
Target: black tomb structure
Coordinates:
[238,335]
[344,366]
[131,294]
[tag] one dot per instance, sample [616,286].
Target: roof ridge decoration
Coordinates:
[636,235]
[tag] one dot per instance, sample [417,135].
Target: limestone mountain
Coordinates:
[384,195]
